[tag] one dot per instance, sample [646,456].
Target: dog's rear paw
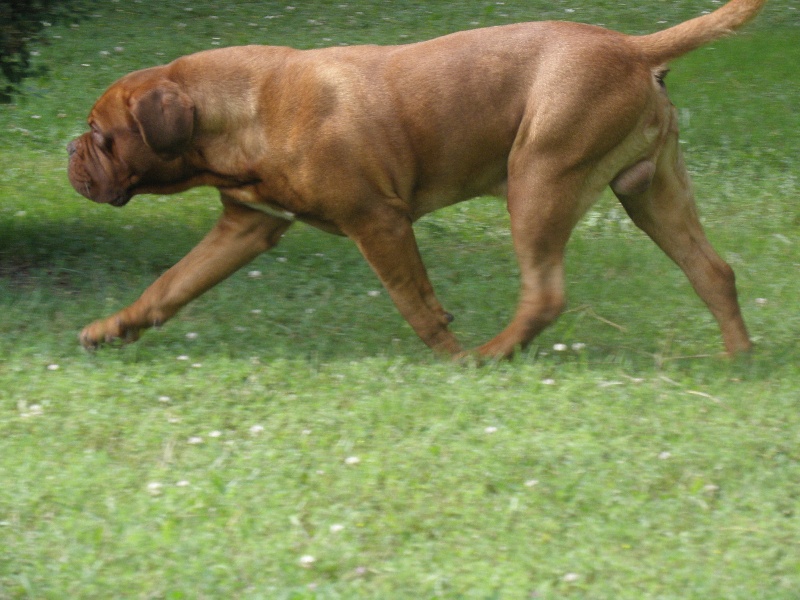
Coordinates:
[469,358]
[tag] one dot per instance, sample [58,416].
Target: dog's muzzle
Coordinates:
[87,185]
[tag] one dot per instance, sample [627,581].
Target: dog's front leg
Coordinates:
[239,236]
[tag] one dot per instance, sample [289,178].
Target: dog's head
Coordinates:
[139,130]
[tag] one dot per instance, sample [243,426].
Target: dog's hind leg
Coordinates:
[545,202]
[386,239]
[666,211]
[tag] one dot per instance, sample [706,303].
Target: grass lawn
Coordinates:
[287,436]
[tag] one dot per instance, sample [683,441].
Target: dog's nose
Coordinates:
[71,148]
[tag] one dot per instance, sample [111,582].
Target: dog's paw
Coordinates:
[107,331]
[469,358]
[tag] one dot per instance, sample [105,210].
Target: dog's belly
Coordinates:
[428,202]
[490,180]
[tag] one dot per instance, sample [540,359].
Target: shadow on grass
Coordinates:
[317,299]
[73,249]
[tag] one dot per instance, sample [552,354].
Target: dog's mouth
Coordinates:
[92,178]
[121,200]
[87,189]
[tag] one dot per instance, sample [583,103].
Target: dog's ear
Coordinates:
[165,115]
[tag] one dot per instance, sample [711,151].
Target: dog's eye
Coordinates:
[103,142]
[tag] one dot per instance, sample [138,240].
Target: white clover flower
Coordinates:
[352,460]
[337,527]
[215,434]
[195,439]
[490,429]
[559,347]
[548,381]
[192,335]
[605,384]
[307,561]
[34,410]
[154,487]
[571,577]
[256,429]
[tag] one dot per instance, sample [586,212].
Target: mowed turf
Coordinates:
[287,436]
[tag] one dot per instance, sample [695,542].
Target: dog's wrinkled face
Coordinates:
[138,130]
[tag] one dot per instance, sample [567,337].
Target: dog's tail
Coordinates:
[663,46]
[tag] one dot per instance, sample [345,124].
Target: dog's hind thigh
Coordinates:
[666,211]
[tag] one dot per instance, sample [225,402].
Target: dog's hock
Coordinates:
[634,180]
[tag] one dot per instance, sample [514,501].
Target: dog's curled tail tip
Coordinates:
[666,45]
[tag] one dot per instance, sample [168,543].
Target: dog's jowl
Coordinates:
[362,141]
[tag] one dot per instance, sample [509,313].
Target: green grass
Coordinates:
[209,458]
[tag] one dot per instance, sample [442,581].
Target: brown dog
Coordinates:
[363,141]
